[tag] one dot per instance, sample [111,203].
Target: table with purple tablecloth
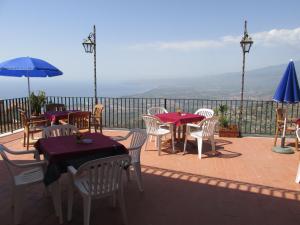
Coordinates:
[179,119]
[64,151]
[55,116]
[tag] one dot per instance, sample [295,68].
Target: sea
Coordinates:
[17,87]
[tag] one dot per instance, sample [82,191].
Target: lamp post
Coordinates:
[89,45]
[246,44]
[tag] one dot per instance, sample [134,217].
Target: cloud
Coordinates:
[272,38]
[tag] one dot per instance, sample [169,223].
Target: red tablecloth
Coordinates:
[61,148]
[179,119]
[55,116]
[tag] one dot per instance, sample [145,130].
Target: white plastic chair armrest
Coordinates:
[21,152]
[120,138]
[72,170]
[35,152]
[193,125]
[135,148]
[33,164]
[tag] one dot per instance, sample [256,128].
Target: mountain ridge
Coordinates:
[260,84]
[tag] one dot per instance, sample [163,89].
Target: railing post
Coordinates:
[165,103]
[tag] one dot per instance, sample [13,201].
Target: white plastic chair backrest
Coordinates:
[298,133]
[138,138]
[156,110]
[208,113]
[152,124]
[102,176]
[59,130]
[8,163]
[208,126]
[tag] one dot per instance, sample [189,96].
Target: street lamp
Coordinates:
[246,44]
[89,45]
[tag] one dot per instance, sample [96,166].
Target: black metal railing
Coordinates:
[258,116]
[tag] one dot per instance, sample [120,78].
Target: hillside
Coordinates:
[259,84]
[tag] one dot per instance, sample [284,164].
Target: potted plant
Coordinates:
[226,129]
[37,102]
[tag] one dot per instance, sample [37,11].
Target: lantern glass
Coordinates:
[246,44]
[88,46]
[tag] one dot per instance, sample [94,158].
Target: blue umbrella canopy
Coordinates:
[288,89]
[287,92]
[28,67]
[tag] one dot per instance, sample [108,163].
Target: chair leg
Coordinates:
[18,205]
[276,135]
[122,205]
[128,173]
[138,173]
[27,141]
[184,145]
[158,144]
[100,125]
[213,144]
[24,139]
[298,174]
[114,200]
[199,142]
[86,210]
[146,144]
[12,196]
[173,144]
[70,198]
[56,196]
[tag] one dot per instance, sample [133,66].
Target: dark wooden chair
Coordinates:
[290,125]
[96,119]
[53,107]
[31,126]
[81,120]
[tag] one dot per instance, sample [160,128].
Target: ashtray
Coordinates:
[85,141]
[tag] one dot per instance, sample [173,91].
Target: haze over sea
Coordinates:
[56,86]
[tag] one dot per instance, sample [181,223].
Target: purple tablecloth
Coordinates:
[179,119]
[55,116]
[64,151]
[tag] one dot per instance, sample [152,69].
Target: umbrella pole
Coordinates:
[284,128]
[29,91]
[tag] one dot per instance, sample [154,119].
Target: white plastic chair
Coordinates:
[98,179]
[55,188]
[59,130]
[205,129]
[137,140]
[156,110]
[154,128]
[297,180]
[21,181]
[208,113]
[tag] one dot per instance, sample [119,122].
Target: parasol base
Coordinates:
[283,150]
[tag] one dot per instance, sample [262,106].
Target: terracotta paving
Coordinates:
[245,184]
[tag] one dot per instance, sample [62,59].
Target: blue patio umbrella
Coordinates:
[287,92]
[28,67]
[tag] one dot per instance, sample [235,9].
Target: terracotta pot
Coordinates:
[231,131]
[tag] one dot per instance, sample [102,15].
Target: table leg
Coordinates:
[183,132]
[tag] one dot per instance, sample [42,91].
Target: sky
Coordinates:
[139,39]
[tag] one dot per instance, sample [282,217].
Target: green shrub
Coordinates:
[37,102]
